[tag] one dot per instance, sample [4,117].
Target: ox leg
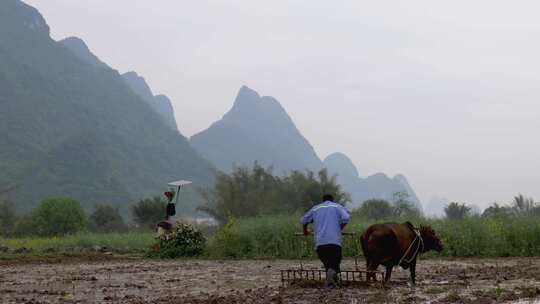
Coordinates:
[372,268]
[413,272]
[388,274]
[368,265]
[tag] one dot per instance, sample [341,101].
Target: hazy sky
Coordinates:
[445,92]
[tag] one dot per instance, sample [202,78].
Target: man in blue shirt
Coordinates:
[328,219]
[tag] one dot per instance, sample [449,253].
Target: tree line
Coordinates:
[520,206]
[254,191]
[245,192]
[378,209]
[61,216]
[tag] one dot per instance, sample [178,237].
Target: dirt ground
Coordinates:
[509,280]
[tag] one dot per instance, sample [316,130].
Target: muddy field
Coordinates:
[199,281]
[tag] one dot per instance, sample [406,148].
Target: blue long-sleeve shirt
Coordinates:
[327,218]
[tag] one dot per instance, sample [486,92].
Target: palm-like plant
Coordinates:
[522,204]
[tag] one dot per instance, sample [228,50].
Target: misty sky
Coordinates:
[445,92]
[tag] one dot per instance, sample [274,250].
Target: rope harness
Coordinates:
[420,243]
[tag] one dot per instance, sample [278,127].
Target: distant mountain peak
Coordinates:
[250,108]
[379,175]
[246,98]
[340,164]
[246,92]
[24,15]
[82,51]
[75,41]
[38,24]
[163,97]
[160,103]
[256,129]
[376,186]
[401,178]
[138,84]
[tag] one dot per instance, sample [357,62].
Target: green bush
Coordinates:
[378,209]
[149,212]
[106,218]
[375,209]
[24,226]
[183,241]
[457,211]
[496,210]
[228,243]
[58,217]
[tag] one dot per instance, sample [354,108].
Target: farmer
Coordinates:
[328,219]
[166,225]
[171,208]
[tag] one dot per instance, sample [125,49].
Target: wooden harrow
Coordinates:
[303,276]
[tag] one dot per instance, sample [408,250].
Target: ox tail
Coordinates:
[364,240]
[364,243]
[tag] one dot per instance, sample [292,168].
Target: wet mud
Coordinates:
[508,280]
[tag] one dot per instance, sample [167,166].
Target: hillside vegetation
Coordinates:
[70,128]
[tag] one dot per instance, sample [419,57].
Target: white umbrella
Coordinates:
[179,184]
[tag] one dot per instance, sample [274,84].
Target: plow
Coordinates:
[305,276]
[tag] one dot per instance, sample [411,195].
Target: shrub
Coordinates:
[106,218]
[375,209]
[149,212]
[229,243]
[496,210]
[183,241]
[58,216]
[456,211]
[24,226]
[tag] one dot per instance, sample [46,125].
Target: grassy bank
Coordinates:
[471,237]
[134,242]
[274,237]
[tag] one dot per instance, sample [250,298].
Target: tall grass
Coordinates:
[493,237]
[134,242]
[274,236]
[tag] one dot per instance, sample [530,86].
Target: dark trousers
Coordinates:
[330,256]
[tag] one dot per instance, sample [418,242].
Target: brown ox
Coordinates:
[393,244]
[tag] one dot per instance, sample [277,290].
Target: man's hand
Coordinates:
[306,230]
